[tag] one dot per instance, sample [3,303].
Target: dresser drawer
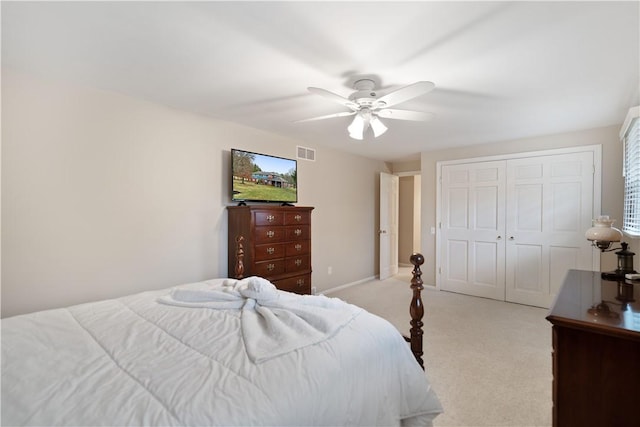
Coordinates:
[270,251]
[300,232]
[298,263]
[298,284]
[301,247]
[268,218]
[269,268]
[270,234]
[297,218]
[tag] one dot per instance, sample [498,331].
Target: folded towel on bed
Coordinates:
[231,295]
[273,322]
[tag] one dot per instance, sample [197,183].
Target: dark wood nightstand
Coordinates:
[596,352]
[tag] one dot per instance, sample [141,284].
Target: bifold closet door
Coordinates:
[472,229]
[511,229]
[549,207]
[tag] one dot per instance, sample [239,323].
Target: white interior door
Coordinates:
[549,206]
[510,229]
[472,229]
[388,232]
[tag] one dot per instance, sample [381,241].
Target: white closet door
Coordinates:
[549,206]
[472,229]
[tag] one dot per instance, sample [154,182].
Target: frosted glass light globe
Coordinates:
[602,232]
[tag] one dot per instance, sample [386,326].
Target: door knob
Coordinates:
[512,238]
[499,237]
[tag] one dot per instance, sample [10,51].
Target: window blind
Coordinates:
[631,172]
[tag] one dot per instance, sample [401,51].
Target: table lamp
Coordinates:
[602,235]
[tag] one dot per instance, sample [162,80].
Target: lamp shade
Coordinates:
[602,231]
[378,127]
[364,120]
[356,128]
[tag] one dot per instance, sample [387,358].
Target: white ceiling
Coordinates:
[502,70]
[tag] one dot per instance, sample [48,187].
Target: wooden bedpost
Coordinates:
[416,308]
[239,266]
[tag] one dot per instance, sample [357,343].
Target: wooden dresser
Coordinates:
[276,242]
[596,352]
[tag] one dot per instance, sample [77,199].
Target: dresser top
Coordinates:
[266,206]
[586,301]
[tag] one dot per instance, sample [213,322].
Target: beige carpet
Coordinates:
[488,361]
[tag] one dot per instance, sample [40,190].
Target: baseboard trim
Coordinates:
[348,285]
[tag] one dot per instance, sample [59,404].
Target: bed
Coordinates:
[219,352]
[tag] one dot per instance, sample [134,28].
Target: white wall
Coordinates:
[612,183]
[104,195]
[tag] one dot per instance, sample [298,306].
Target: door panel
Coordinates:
[473,229]
[458,209]
[487,208]
[528,208]
[528,268]
[549,205]
[561,259]
[486,257]
[457,262]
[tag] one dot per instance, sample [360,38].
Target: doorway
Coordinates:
[409,224]
[399,232]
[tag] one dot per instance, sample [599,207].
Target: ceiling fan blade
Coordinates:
[328,116]
[406,93]
[391,113]
[333,97]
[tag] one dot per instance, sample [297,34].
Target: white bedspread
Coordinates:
[134,361]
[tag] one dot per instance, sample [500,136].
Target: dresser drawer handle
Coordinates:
[297,232]
[271,267]
[300,282]
[298,262]
[297,217]
[270,251]
[270,218]
[270,234]
[298,247]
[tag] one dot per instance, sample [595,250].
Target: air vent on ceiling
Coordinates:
[306,153]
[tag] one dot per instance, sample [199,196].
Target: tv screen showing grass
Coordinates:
[263,178]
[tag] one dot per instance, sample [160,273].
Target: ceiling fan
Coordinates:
[367,107]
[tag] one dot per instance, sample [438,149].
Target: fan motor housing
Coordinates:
[365,96]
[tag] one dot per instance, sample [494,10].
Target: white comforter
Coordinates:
[134,361]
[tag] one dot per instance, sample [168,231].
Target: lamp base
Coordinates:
[625,264]
[616,275]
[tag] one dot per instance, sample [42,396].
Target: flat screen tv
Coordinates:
[263,178]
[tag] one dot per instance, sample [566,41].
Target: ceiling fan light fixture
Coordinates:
[356,136]
[356,128]
[367,106]
[378,127]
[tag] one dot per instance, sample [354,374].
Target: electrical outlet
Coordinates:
[330,270]
[314,291]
